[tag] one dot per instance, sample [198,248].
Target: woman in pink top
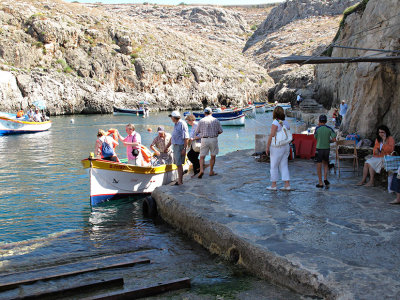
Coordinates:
[132,143]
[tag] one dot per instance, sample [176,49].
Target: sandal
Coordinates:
[320,186]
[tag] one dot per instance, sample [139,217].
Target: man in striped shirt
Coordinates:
[209,128]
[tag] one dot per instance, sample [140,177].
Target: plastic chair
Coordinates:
[342,156]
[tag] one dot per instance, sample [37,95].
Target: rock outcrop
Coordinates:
[86,59]
[292,10]
[372,90]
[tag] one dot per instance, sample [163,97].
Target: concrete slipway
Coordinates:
[336,243]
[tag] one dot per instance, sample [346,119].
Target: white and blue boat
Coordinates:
[226,117]
[249,111]
[260,107]
[10,124]
[127,111]
[115,180]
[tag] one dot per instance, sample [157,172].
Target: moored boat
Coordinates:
[113,180]
[10,124]
[249,111]
[227,118]
[127,111]
[260,107]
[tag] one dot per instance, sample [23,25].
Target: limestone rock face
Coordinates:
[372,90]
[291,10]
[85,59]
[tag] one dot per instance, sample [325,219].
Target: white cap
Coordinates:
[175,114]
[208,110]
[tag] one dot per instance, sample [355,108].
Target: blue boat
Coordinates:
[127,111]
[227,118]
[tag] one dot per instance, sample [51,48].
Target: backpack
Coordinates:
[106,149]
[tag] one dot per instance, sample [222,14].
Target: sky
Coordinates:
[176,2]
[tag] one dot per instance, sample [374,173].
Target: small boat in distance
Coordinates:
[114,180]
[10,124]
[226,117]
[127,111]
[260,107]
[249,111]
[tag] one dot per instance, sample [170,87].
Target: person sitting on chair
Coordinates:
[384,145]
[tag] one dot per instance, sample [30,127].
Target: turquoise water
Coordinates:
[45,215]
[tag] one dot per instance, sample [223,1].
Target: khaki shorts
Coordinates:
[209,145]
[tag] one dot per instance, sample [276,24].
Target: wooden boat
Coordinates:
[260,107]
[112,180]
[10,124]
[249,111]
[226,117]
[127,111]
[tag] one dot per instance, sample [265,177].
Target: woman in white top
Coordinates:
[279,155]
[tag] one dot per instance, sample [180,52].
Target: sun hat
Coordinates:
[175,114]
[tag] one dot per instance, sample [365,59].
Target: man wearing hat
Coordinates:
[324,135]
[179,141]
[209,128]
[159,146]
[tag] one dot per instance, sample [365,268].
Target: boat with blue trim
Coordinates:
[114,180]
[226,117]
[260,107]
[11,124]
[127,111]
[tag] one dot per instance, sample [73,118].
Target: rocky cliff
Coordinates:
[371,89]
[85,59]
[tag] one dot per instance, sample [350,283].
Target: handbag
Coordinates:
[196,145]
[282,137]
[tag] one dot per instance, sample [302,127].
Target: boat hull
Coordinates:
[229,118]
[250,111]
[15,126]
[126,111]
[260,108]
[111,180]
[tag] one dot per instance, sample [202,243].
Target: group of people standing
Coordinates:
[169,148]
[384,145]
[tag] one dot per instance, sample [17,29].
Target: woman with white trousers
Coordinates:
[279,155]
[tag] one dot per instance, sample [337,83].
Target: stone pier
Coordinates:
[336,243]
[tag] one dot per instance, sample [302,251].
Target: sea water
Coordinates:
[45,214]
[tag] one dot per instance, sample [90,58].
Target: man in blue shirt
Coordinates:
[179,141]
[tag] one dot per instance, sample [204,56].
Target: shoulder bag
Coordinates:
[282,137]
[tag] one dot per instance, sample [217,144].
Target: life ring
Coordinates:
[114,135]
[146,153]
[20,114]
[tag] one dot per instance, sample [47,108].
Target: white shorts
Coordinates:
[209,145]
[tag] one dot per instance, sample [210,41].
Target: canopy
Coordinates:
[39,104]
[144,102]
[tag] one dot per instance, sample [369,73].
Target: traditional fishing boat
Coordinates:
[249,111]
[127,111]
[226,117]
[113,180]
[10,124]
[260,107]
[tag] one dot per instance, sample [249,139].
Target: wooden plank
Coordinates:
[77,289]
[11,285]
[159,288]
[335,60]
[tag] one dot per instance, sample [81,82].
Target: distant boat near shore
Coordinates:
[127,111]
[249,111]
[260,107]
[10,124]
[227,118]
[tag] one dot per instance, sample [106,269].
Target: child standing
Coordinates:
[324,135]
[395,186]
